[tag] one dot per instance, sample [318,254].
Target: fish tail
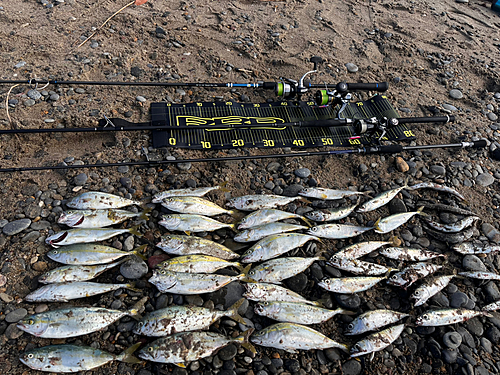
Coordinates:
[143,202]
[233,311]
[180,364]
[243,276]
[132,286]
[223,187]
[394,240]
[233,228]
[304,200]
[243,339]
[343,347]
[419,211]
[321,302]
[137,251]
[127,355]
[237,214]
[239,266]
[346,312]
[321,258]
[134,312]
[487,314]
[308,222]
[135,231]
[376,225]
[145,214]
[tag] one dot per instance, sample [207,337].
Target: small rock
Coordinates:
[397,206]
[452,340]
[493,334]
[449,355]
[456,94]
[80,179]
[352,367]
[141,99]
[473,263]
[348,301]
[292,190]
[15,227]
[134,268]
[184,166]
[438,169]
[458,299]
[351,68]
[302,172]
[491,116]
[34,94]
[16,315]
[402,165]
[227,353]
[12,332]
[297,283]
[491,232]
[485,179]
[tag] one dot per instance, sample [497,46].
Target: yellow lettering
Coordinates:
[327,141]
[172,141]
[206,144]
[298,142]
[238,143]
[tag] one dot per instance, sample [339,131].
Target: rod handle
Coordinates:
[346,87]
[479,144]
[388,149]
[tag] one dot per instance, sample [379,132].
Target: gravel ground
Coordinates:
[439,58]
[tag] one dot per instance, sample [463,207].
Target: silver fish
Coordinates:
[444,317]
[71,322]
[349,285]
[337,231]
[95,200]
[189,346]
[259,202]
[408,254]
[89,254]
[331,214]
[466,248]
[174,319]
[190,283]
[430,185]
[189,192]
[268,215]
[328,194]
[192,223]
[455,227]
[290,337]
[451,237]
[492,306]
[358,267]
[412,273]
[430,288]
[197,264]
[63,292]
[191,245]
[75,273]
[98,218]
[360,249]
[274,246]
[373,320]
[275,270]
[380,200]
[74,236]
[73,358]
[481,275]
[389,223]
[194,206]
[261,231]
[296,312]
[377,341]
[261,292]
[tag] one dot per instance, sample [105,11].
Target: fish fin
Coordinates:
[135,231]
[233,311]
[394,241]
[127,357]
[321,258]
[180,364]
[131,286]
[134,312]
[419,211]
[376,225]
[223,187]
[372,356]
[302,199]
[487,314]
[308,222]
[137,251]
[144,214]
[240,266]
[188,232]
[233,228]
[321,302]
[346,312]
[243,338]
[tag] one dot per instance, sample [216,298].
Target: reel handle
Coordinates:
[343,87]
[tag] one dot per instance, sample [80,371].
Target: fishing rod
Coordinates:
[361,126]
[287,88]
[377,149]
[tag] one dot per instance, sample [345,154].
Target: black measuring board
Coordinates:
[224,113]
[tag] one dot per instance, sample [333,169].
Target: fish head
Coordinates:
[315,231]
[170,222]
[354,327]
[34,325]
[423,320]
[246,222]
[49,277]
[361,348]
[244,236]
[151,353]
[253,292]
[420,296]
[172,203]
[396,280]
[267,308]
[38,294]
[256,275]
[55,254]
[315,215]
[252,254]
[234,202]
[325,283]
[57,238]
[171,242]
[270,335]
[71,219]
[164,278]
[306,192]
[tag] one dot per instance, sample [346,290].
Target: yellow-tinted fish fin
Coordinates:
[181,365]
[237,214]
[244,337]
[145,213]
[376,225]
[188,232]
[131,286]
[233,311]
[137,251]
[223,187]
[127,354]
[239,266]
[302,199]
[308,222]
[134,312]
[135,231]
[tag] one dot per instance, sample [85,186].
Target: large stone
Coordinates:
[15,227]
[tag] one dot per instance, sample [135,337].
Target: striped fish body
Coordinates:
[191,223]
[94,200]
[372,321]
[63,292]
[259,202]
[89,254]
[191,245]
[444,317]
[377,341]
[74,236]
[265,216]
[337,231]
[74,273]
[349,285]
[275,270]
[430,288]
[380,200]
[97,218]
[327,194]
[194,206]
[259,232]
[190,192]
[196,264]
[272,292]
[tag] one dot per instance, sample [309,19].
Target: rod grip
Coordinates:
[346,87]
[479,144]
[389,149]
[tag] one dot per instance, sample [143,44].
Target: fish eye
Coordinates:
[243,220]
[425,317]
[265,303]
[31,321]
[350,326]
[30,355]
[150,349]
[417,292]
[314,229]
[251,273]
[163,272]
[327,281]
[54,252]
[394,277]
[169,238]
[305,190]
